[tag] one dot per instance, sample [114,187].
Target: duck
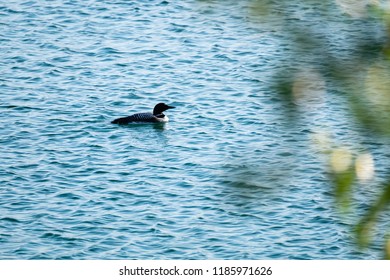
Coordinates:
[156,117]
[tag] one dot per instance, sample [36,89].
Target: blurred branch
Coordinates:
[366,224]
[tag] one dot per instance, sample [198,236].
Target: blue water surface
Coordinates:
[228,177]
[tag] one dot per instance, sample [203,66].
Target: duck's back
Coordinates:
[140,117]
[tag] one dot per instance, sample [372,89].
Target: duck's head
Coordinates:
[161,107]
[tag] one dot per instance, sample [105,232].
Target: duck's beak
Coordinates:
[170,107]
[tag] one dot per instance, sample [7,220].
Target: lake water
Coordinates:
[227,178]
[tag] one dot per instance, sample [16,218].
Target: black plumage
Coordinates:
[156,116]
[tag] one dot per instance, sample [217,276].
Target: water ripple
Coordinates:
[207,185]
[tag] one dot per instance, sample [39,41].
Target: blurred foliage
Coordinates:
[355,69]
[361,79]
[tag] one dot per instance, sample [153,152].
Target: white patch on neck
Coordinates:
[164,119]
